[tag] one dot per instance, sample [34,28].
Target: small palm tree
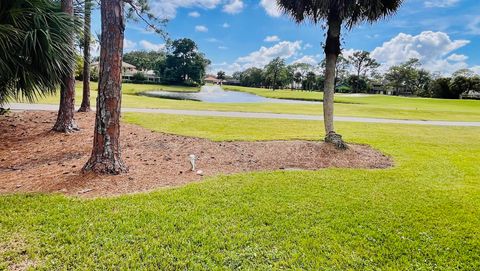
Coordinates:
[221,76]
[336,13]
[33,51]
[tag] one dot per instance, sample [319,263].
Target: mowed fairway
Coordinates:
[385,106]
[423,214]
[372,106]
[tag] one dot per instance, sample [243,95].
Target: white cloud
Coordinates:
[260,58]
[307,59]
[271,7]
[152,46]
[225,25]
[234,7]
[143,30]
[194,14]
[95,49]
[201,28]
[168,8]
[474,26]
[456,57]
[431,48]
[128,44]
[213,40]
[476,69]
[348,52]
[221,47]
[440,3]
[272,39]
[374,36]
[307,46]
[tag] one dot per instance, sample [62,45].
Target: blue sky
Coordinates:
[237,34]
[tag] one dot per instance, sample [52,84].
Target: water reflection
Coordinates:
[215,94]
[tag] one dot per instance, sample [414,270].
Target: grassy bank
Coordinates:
[381,105]
[421,215]
[279,93]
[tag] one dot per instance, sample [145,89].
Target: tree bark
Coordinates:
[85,107]
[65,119]
[332,51]
[106,158]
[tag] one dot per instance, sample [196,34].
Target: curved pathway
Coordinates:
[253,115]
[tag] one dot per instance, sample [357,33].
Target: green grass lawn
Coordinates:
[279,93]
[127,89]
[374,106]
[137,88]
[423,214]
[382,105]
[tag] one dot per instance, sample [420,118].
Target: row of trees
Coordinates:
[358,74]
[452,87]
[181,63]
[277,74]
[411,78]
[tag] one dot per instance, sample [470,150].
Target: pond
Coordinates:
[215,94]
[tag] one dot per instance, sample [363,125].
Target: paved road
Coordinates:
[47,107]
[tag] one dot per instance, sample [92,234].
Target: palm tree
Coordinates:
[85,106]
[34,35]
[65,122]
[221,76]
[106,158]
[336,13]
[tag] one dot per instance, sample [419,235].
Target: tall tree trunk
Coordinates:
[105,156]
[85,107]
[65,122]
[274,81]
[332,51]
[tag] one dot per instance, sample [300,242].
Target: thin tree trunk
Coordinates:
[85,107]
[106,158]
[332,50]
[65,119]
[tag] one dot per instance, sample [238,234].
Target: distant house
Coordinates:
[385,89]
[381,88]
[231,82]
[128,70]
[210,79]
[471,94]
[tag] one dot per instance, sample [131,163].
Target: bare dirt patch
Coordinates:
[35,159]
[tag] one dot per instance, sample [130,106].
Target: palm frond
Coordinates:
[33,52]
[351,12]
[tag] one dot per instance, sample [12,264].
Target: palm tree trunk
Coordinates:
[105,156]
[332,50]
[85,107]
[65,122]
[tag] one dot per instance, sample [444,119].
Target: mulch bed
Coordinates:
[35,159]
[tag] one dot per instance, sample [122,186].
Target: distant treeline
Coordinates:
[359,73]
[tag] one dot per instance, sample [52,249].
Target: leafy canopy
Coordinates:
[184,63]
[351,12]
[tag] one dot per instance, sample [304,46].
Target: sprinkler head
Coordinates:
[192,159]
